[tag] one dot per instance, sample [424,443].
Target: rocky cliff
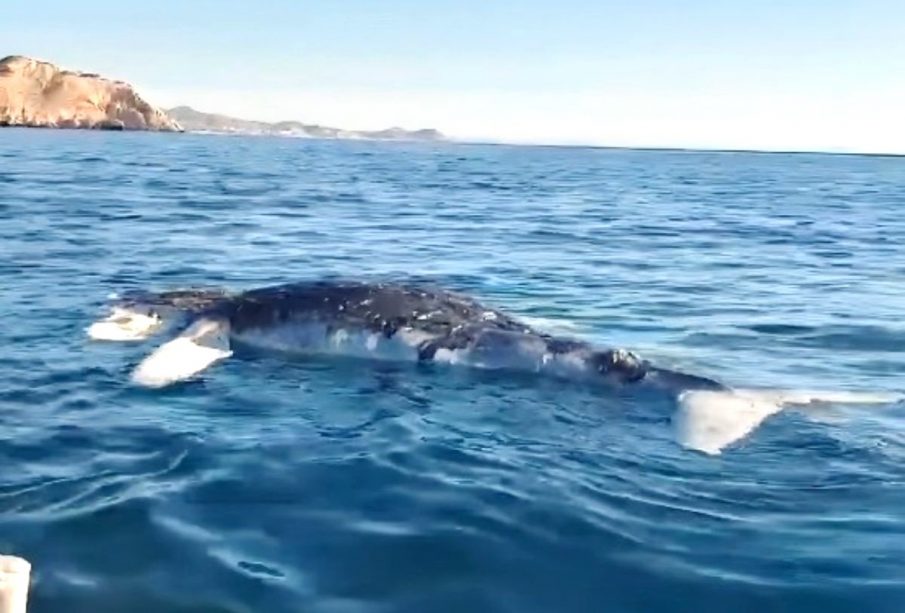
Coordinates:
[39,94]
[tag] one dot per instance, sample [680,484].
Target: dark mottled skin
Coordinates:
[456,321]
[377,307]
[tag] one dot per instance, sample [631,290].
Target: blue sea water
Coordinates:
[333,485]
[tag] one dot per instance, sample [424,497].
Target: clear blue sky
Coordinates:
[799,74]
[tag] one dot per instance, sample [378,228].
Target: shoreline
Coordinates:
[454,141]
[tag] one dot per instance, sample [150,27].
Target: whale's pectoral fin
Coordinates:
[709,420]
[202,344]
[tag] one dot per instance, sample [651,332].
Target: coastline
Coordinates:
[483,143]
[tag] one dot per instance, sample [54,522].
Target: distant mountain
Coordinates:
[41,95]
[34,93]
[197,121]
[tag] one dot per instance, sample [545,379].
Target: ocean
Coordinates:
[334,485]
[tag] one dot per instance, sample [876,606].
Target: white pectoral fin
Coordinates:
[205,342]
[708,421]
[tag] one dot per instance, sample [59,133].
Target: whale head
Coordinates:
[139,315]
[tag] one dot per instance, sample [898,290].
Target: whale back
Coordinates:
[377,307]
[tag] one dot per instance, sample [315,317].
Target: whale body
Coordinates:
[415,323]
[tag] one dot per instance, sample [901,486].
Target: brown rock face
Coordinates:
[39,94]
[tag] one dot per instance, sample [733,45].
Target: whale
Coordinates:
[424,324]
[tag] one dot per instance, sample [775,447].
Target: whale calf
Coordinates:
[416,323]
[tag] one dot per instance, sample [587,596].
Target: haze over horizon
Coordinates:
[820,76]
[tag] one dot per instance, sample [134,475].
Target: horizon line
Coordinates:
[452,139]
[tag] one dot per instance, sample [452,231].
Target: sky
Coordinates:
[760,74]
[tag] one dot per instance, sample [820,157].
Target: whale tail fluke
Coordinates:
[710,420]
